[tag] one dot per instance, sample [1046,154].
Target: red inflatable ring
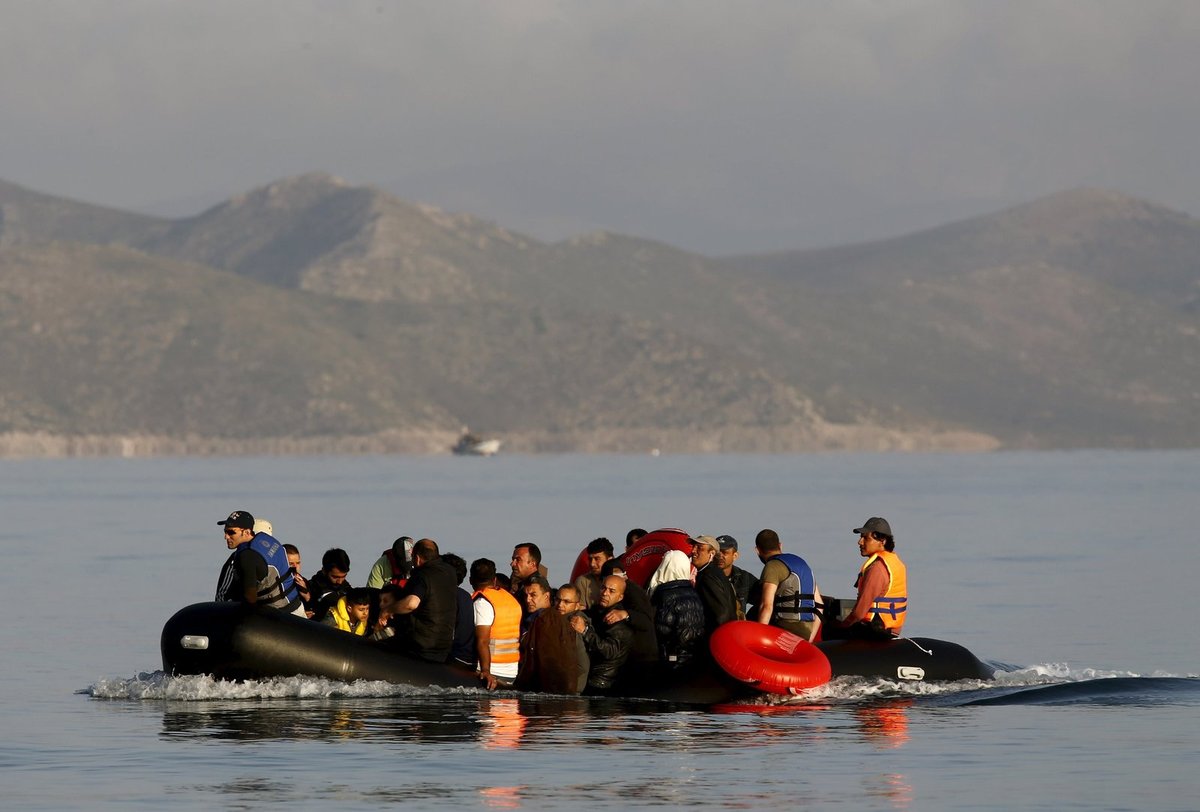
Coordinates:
[642,559]
[769,658]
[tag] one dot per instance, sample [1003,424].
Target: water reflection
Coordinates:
[893,787]
[883,723]
[493,722]
[501,797]
[507,724]
[511,722]
[662,754]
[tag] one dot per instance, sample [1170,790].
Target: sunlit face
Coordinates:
[237,535]
[336,577]
[522,564]
[869,544]
[568,600]
[536,598]
[596,561]
[701,555]
[358,611]
[612,591]
[726,556]
[294,561]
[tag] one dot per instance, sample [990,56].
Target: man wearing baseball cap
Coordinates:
[716,593]
[882,584]
[744,583]
[257,571]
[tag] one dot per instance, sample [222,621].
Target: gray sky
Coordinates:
[721,127]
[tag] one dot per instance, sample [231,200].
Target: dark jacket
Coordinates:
[717,595]
[608,646]
[641,619]
[678,620]
[428,632]
[464,629]
[324,594]
[746,586]
[553,657]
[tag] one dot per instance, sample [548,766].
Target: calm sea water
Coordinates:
[1073,569]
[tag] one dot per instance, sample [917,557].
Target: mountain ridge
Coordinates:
[1068,321]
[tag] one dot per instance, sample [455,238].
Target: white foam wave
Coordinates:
[862,689]
[160,686]
[1050,673]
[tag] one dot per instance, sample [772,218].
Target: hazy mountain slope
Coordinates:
[316,233]
[28,216]
[348,313]
[1034,355]
[1128,243]
[105,340]
[1067,318]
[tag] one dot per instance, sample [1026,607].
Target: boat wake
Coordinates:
[1109,690]
[1046,684]
[159,686]
[1050,683]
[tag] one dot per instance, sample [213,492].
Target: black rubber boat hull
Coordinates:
[906,659]
[232,641]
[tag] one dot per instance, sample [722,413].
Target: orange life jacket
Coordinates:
[504,643]
[892,606]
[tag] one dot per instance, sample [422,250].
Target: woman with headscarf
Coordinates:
[678,611]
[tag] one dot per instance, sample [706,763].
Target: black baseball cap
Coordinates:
[727,542]
[875,524]
[239,518]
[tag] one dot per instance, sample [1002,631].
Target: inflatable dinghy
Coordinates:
[234,642]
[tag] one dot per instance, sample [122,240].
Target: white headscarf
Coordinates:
[675,566]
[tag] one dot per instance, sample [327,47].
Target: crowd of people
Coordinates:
[585,636]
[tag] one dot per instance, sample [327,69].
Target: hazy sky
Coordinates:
[720,127]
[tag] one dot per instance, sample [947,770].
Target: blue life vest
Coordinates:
[795,599]
[278,589]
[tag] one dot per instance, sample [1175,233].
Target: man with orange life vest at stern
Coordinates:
[257,571]
[882,583]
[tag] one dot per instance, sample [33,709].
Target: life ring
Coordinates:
[769,658]
[642,559]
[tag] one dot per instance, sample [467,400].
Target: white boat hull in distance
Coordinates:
[476,447]
[485,448]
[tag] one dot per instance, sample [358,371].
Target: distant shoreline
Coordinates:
[731,440]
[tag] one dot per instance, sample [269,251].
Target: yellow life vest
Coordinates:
[892,606]
[504,643]
[341,616]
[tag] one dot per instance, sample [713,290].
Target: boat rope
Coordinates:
[918,645]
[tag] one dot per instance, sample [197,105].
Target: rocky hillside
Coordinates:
[314,315]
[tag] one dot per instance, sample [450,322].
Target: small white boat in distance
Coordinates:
[476,446]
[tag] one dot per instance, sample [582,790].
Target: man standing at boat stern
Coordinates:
[427,613]
[257,571]
[882,583]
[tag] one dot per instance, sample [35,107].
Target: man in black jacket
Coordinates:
[329,584]
[427,613]
[608,644]
[716,592]
[745,584]
[635,606]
